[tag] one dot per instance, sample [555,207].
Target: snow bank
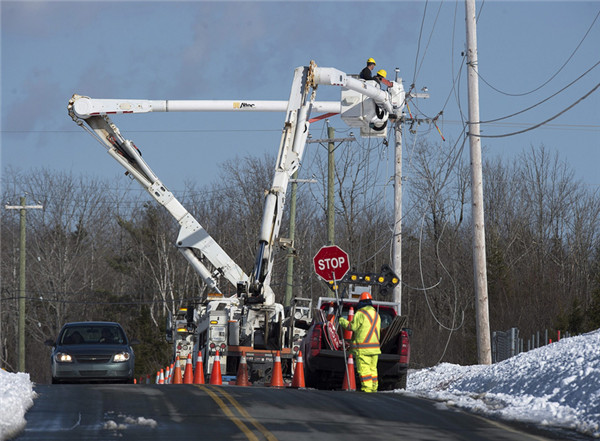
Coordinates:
[556,385]
[16,397]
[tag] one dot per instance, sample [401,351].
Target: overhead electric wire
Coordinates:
[419,42]
[543,122]
[544,100]
[428,42]
[553,76]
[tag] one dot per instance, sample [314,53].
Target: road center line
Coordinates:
[227,411]
[244,413]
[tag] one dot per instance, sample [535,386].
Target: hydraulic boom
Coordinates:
[193,241]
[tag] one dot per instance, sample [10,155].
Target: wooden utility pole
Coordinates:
[484,348]
[22,256]
[330,186]
[397,240]
[289,286]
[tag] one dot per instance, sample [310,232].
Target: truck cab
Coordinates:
[324,364]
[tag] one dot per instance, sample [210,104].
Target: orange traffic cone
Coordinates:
[188,375]
[242,374]
[161,378]
[177,377]
[215,375]
[277,375]
[349,383]
[157,377]
[347,332]
[199,373]
[148,379]
[171,373]
[298,380]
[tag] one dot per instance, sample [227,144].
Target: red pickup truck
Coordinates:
[324,366]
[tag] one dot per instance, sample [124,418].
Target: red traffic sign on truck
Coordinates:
[331,263]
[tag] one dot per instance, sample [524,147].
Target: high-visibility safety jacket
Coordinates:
[365,328]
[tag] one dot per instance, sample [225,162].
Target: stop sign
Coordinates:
[331,263]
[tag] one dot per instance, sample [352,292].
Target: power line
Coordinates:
[87,302]
[553,76]
[544,122]
[546,99]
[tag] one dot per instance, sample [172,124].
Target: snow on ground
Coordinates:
[16,397]
[556,385]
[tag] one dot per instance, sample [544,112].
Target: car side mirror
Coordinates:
[49,343]
[134,342]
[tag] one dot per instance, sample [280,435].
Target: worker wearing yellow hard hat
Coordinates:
[366,73]
[365,327]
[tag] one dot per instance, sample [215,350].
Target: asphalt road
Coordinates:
[201,412]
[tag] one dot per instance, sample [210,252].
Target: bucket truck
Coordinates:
[250,321]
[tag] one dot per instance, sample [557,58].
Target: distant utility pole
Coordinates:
[291,252]
[331,140]
[484,347]
[289,286]
[22,255]
[330,187]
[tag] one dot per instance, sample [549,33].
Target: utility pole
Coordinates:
[330,186]
[484,349]
[291,252]
[289,286]
[397,238]
[22,256]
[331,140]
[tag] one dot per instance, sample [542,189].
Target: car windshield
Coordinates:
[98,334]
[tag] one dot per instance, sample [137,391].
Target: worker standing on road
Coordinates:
[365,328]
[366,73]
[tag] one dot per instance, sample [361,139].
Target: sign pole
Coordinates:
[338,314]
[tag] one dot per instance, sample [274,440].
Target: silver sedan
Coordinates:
[92,352]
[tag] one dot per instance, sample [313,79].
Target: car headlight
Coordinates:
[61,357]
[121,357]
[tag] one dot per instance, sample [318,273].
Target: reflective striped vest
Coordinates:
[365,326]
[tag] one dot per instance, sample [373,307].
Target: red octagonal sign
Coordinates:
[331,263]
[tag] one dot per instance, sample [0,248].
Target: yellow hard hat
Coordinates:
[365,296]
[382,73]
[371,60]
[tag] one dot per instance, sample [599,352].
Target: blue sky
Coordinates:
[248,50]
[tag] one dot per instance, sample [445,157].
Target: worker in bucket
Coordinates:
[367,72]
[380,75]
[365,327]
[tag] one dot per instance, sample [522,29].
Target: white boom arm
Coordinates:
[85,107]
[191,234]
[301,102]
